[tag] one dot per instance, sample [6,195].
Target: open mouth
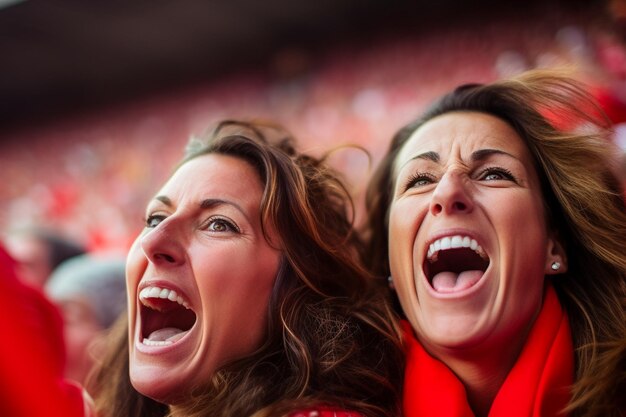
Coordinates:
[165,316]
[455,263]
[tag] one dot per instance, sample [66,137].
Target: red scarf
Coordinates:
[537,385]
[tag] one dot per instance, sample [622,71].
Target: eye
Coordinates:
[220,224]
[419,179]
[496,174]
[153,220]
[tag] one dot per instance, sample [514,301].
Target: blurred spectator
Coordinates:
[38,251]
[31,362]
[91,292]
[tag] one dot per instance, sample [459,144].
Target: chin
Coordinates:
[453,335]
[153,382]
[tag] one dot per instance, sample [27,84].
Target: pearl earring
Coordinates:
[390,282]
[555,266]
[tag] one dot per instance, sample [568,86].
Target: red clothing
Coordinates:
[537,385]
[33,355]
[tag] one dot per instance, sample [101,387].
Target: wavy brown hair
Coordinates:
[109,381]
[331,338]
[566,133]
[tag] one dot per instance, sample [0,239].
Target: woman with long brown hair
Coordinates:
[246,296]
[499,219]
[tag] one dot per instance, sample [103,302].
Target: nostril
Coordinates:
[460,206]
[165,257]
[453,207]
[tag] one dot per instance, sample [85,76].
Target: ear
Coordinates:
[556,259]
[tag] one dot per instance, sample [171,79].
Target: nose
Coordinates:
[162,245]
[451,195]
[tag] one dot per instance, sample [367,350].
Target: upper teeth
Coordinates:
[164,293]
[453,242]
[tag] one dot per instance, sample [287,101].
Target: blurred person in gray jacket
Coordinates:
[91,293]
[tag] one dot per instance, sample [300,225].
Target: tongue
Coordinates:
[447,281]
[170,334]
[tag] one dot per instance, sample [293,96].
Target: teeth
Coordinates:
[148,342]
[164,293]
[453,242]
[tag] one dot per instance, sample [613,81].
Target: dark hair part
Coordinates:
[566,133]
[330,338]
[59,247]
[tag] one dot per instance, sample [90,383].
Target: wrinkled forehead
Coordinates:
[458,135]
[217,176]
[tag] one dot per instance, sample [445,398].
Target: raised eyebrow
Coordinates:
[430,156]
[163,199]
[205,204]
[482,154]
[214,202]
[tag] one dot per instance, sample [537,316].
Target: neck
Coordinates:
[482,372]
[482,382]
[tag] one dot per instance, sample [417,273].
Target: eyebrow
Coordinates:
[206,203]
[213,202]
[431,156]
[163,199]
[482,154]
[478,155]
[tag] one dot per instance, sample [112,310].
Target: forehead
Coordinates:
[462,133]
[215,175]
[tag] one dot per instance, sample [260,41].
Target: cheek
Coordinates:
[237,289]
[136,263]
[405,220]
[523,238]
[236,299]
[524,224]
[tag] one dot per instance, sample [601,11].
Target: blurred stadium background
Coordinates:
[98,98]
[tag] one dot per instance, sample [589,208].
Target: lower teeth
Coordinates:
[149,342]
